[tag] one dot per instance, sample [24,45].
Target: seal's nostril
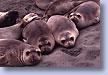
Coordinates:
[73,19]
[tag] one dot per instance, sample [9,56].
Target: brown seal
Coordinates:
[8,18]
[61,7]
[64,30]
[17,53]
[86,14]
[37,33]
[15,31]
[43,4]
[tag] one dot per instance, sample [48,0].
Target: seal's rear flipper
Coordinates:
[3,60]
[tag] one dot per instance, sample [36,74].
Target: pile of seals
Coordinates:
[24,43]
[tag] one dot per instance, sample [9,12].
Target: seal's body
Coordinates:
[86,14]
[64,30]
[37,33]
[8,18]
[14,32]
[17,53]
[43,4]
[61,7]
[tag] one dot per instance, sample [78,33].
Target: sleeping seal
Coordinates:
[64,30]
[37,33]
[85,14]
[61,7]
[17,53]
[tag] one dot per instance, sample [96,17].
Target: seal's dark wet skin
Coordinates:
[9,19]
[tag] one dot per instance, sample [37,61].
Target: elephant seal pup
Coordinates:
[86,14]
[37,33]
[8,18]
[17,53]
[43,4]
[64,30]
[61,7]
[15,31]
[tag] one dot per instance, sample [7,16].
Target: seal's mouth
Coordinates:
[68,43]
[33,60]
[45,48]
[41,45]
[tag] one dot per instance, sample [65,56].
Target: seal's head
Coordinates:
[67,39]
[77,18]
[31,56]
[46,44]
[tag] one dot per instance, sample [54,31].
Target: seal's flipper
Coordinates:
[3,60]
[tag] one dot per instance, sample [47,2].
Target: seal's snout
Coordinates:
[33,59]
[68,43]
[45,48]
[74,19]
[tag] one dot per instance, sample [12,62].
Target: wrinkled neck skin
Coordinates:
[14,57]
